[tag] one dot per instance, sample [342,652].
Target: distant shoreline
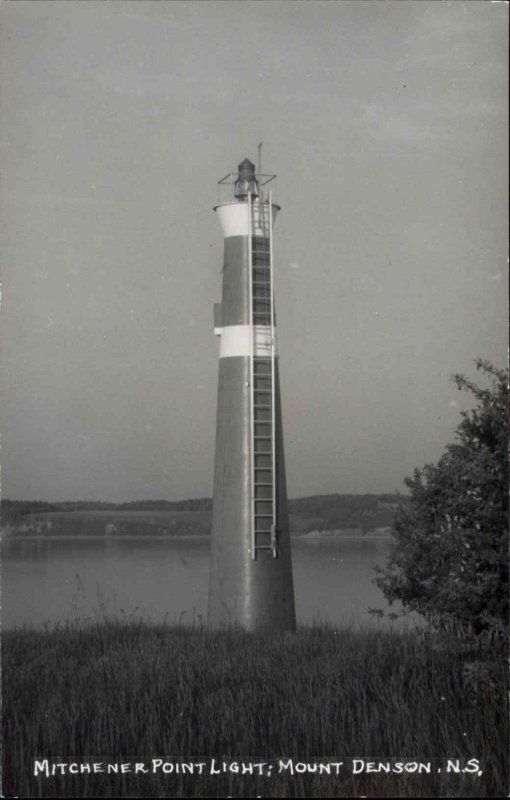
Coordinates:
[316,519]
[108,536]
[296,537]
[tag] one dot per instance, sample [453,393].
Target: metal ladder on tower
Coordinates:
[262,380]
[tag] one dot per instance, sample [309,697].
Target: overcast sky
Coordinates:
[386,125]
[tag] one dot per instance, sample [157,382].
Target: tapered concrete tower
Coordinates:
[250,571]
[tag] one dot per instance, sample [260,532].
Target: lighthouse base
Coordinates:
[255,593]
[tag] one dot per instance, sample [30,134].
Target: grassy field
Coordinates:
[112,692]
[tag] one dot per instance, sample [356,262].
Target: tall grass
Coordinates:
[133,691]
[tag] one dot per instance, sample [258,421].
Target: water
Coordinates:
[54,579]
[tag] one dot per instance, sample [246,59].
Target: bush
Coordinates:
[450,560]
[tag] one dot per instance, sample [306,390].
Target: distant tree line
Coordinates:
[362,511]
[324,511]
[13,510]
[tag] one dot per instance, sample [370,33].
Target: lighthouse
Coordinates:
[250,580]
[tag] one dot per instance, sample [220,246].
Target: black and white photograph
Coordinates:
[254,398]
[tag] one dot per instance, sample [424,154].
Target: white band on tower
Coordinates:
[235,221]
[236,341]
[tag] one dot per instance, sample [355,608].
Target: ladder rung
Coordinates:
[262,316]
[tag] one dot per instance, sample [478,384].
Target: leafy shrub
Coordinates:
[450,560]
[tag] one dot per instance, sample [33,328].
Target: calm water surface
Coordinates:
[55,579]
